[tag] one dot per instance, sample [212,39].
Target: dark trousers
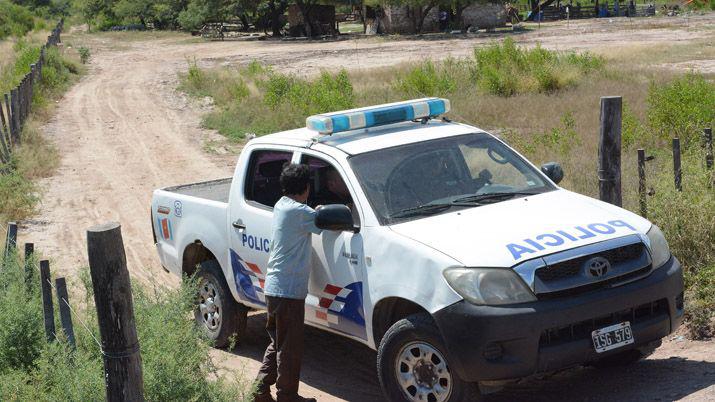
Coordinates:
[281,362]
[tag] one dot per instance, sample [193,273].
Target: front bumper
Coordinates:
[505,342]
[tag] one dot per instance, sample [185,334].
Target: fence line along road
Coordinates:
[18,103]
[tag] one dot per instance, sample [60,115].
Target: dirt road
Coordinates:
[123,131]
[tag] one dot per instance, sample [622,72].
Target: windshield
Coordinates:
[430,177]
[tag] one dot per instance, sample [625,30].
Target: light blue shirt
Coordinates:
[289,259]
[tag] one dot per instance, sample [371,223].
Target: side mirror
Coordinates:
[554,171]
[335,217]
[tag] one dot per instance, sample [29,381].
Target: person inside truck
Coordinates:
[286,287]
[334,190]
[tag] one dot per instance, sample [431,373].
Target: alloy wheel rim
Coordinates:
[210,306]
[422,373]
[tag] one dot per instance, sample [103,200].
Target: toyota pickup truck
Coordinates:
[444,249]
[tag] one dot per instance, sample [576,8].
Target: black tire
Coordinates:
[627,357]
[407,336]
[230,322]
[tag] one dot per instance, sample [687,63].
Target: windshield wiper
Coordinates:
[426,209]
[499,196]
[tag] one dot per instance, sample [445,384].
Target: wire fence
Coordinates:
[15,107]
[119,345]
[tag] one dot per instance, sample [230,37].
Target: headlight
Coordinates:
[489,286]
[659,250]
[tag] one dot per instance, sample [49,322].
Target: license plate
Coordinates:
[612,337]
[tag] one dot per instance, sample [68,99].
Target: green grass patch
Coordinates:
[506,69]
[257,100]
[682,108]
[35,157]
[15,20]
[175,356]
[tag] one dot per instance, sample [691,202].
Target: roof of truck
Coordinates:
[370,139]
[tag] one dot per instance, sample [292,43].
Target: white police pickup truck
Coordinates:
[448,252]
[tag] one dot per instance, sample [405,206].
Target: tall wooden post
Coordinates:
[609,150]
[641,183]
[677,171]
[15,111]
[708,136]
[46,288]
[29,268]
[115,312]
[63,302]
[11,239]
[8,109]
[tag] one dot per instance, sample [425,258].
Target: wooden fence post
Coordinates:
[11,239]
[46,287]
[708,134]
[4,120]
[4,148]
[609,150]
[641,183]
[115,312]
[9,118]
[29,268]
[63,301]
[15,111]
[677,171]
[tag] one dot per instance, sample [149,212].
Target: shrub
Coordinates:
[15,20]
[682,107]
[425,79]
[175,355]
[83,54]
[506,69]
[21,334]
[325,94]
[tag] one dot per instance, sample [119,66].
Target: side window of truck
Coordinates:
[326,185]
[263,177]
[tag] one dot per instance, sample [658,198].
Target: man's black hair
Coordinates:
[295,179]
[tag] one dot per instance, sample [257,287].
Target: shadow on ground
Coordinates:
[346,369]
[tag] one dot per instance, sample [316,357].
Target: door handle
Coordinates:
[239,225]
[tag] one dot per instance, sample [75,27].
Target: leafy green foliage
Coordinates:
[506,69]
[21,334]
[175,355]
[15,20]
[682,108]
[84,54]
[426,79]
[328,92]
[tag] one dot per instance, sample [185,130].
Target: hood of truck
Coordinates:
[506,233]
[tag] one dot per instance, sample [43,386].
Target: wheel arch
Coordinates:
[194,254]
[390,310]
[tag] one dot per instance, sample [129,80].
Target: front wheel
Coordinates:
[217,313]
[413,366]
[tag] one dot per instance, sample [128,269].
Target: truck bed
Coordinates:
[214,190]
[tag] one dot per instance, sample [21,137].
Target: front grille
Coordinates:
[596,285]
[570,268]
[582,329]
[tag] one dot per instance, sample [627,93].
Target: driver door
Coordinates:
[336,290]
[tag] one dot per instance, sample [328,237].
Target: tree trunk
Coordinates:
[423,14]
[311,29]
[276,12]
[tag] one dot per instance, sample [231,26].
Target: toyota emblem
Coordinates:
[597,267]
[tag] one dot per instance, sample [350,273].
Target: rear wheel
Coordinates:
[413,366]
[217,313]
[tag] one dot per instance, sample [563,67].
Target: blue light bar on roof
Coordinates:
[372,116]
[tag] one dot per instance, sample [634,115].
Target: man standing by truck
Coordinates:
[286,287]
